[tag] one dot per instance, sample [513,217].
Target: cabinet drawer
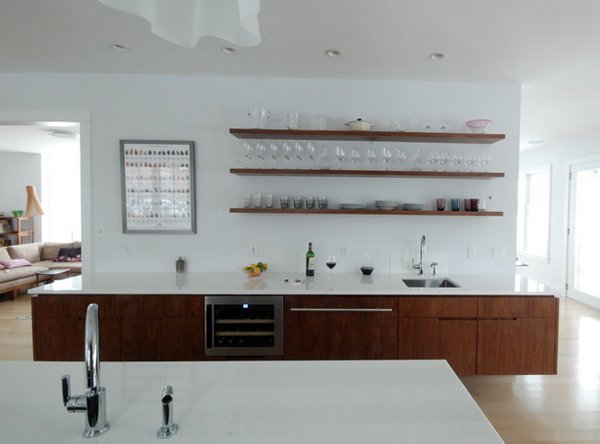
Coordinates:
[76,306]
[188,306]
[517,307]
[437,307]
[47,306]
[142,307]
[339,303]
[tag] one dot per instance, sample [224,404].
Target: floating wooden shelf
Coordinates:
[364,173]
[374,136]
[366,212]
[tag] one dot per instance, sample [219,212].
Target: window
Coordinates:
[533,217]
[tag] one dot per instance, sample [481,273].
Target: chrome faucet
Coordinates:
[422,251]
[93,403]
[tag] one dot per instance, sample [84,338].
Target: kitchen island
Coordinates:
[251,402]
[490,324]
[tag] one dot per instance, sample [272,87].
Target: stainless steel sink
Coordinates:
[430,283]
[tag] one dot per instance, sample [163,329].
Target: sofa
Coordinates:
[20,263]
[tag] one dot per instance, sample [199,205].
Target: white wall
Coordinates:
[203,109]
[560,156]
[17,170]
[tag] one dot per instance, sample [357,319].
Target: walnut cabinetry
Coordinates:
[475,334]
[340,327]
[132,327]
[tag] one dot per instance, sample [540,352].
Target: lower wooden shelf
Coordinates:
[370,212]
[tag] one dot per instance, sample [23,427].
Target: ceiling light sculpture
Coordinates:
[184,22]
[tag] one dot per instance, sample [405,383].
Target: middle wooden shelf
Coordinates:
[373,212]
[364,173]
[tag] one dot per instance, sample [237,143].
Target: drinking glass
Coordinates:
[261,150]
[416,162]
[269,200]
[311,153]
[400,158]
[386,154]
[247,200]
[299,154]
[275,152]
[340,154]
[440,204]
[323,203]
[284,201]
[256,198]
[310,202]
[355,156]
[371,158]
[288,152]
[292,120]
[258,116]
[324,158]
[331,262]
[248,155]
[298,202]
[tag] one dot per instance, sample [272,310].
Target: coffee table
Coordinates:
[53,272]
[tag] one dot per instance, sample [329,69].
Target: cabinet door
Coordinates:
[141,325]
[516,347]
[339,327]
[182,336]
[517,335]
[454,340]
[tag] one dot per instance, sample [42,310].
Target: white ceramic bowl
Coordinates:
[478,125]
[359,125]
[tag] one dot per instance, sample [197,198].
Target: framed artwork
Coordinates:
[158,186]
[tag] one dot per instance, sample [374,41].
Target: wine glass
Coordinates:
[386,154]
[400,158]
[340,154]
[355,156]
[299,148]
[311,154]
[261,150]
[288,152]
[248,155]
[331,262]
[371,157]
[274,153]
[324,158]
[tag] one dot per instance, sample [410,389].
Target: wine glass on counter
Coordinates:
[331,262]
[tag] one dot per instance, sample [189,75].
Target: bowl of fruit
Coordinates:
[255,270]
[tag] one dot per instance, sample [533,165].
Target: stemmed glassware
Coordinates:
[331,262]
[355,156]
[400,158]
[261,149]
[386,154]
[299,149]
[288,152]
[324,158]
[371,158]
[340,155]
[248,160]
[311,154]
[275,151]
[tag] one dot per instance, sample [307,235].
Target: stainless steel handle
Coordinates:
[358,310]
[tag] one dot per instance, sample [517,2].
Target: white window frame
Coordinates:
[524,198]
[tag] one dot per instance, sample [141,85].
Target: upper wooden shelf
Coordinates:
[364,173]
[371,212]
[377,136]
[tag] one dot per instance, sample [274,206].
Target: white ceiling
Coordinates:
[548,46]
[36,137]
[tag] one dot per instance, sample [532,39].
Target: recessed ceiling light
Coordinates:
[61,134]
[535,142]
[437,55]
[228,50]
[119,47]
[333,52]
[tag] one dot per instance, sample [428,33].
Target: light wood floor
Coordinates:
[564,408]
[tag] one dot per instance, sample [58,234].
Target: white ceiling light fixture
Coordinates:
[437,56]
[184,22]
[119,47]
[228,50]
[333,52]
[62,134]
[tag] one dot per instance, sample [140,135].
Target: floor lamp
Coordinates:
[33,208]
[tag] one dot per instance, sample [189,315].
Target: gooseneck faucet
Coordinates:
[422,251]
[93,403]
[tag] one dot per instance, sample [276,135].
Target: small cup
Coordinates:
[321,123]
[269,200]
[284,201]
[455,204]
[258,116]
[256,198]
[298,202]
[310,202]
[474,204]
[323,203]
[467,204]
[247,200]
[440,204]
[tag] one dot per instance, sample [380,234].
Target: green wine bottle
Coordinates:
[310,261]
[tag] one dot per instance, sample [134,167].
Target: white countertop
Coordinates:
[287,283]
[250,402]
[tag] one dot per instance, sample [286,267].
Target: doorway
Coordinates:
[583,280]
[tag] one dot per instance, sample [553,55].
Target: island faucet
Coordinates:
[93,403]
[422,251]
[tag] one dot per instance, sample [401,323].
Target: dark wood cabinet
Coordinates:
[517,335]
[340,327]
[132,327]
[439,328]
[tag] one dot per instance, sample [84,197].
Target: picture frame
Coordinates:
[158,186]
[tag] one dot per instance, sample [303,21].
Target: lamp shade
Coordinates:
[184,22]
[33,207]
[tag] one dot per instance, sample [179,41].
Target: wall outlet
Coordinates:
[471,252]
[254,250]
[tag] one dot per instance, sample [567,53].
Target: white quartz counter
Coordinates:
[287,283]
[250,402]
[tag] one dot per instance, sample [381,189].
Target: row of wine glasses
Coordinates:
[310,155]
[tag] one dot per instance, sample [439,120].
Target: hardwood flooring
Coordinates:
[563,408]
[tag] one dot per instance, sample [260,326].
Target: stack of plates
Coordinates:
[352,206]
[413,207]
[386,204]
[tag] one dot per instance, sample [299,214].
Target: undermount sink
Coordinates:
[430,283]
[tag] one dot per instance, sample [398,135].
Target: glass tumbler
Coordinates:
[298,202]
[310,202]
[284,201]
[322,200]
